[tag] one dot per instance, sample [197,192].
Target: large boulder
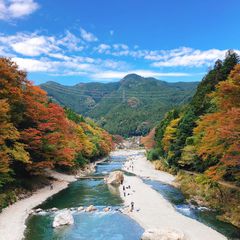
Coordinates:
[166,234]
[63,218]
[115,178]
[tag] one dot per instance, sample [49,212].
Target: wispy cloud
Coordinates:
[68,54]
[87,36]
[144,73]
[103,48]
[71,41]
[12,9]
[34,44]
[187,57]
[180,57]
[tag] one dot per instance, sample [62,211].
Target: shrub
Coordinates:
[153,154]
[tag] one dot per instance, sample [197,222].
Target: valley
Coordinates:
[129,107]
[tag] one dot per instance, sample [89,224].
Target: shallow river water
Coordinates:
[112,225]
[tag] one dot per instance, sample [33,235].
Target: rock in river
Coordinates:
[115,178]
[106,209]
[167,234]
[80,208]
[63,218]
[91,208]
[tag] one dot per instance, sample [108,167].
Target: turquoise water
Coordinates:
[201,214]
[87,226]
[84,193]
[112,225]
[91,226]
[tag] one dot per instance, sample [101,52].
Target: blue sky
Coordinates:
[71,41]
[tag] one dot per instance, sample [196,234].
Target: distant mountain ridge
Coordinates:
[130,106]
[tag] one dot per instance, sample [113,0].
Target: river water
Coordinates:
[112,225]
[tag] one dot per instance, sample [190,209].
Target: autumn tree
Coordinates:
[218,133]
[36,133]
[10,147]
[201,103]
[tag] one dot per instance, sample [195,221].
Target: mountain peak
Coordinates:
[50,83]
[132,75]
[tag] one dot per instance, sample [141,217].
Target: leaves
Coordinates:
[40,134]
[219,132]
[205,136]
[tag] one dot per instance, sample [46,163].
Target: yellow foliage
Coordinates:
[170,134]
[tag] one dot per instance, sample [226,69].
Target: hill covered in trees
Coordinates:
[204,137]
[36,134]
[129,107]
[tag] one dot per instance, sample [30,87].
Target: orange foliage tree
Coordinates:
[218,133]
[38,133]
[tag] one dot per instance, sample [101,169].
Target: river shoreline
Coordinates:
[13,218]
[151,210]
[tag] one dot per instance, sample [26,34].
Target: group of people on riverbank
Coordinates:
[129,164]
[125,188]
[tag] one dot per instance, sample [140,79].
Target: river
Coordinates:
[111,225]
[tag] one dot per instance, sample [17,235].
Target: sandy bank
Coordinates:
[12,218]
[138,164]
[152,210]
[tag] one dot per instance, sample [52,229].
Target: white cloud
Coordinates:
[12,9]
[144,73]
[189,58]
[33,65]
[87,36]
[179,57]
[48,65]
[71,42]
[120,46]
[35,44]
[67,66]
[69,55]
[103,48]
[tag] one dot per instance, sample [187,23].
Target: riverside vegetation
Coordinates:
[36,134]
[203,138]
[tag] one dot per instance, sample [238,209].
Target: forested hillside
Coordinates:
[204,137]
[128,107]
[192,137]
[36,133]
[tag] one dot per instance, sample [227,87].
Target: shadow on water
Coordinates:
[204,215]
